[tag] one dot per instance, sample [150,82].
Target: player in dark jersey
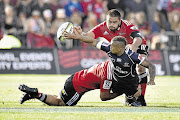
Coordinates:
[115,26]
[124,61]
[97,77]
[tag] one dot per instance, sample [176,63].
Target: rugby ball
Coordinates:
[68,27]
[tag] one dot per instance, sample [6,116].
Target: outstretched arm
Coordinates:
[80,32]
[152,71]
[85,39]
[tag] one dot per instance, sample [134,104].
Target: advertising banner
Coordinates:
[174,62]
[76,60]
[27,61]
[157,58]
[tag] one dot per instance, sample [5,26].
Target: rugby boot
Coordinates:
[30,93]
[25,97]
[136,104]
[142,100]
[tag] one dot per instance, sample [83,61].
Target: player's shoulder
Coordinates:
[129,52]
[103,24]
[100,27]
[129,25]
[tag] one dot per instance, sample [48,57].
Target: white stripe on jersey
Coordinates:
[109,71]
[73,99]
[99,44]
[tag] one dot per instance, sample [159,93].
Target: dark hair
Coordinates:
[120,39]
[114,13]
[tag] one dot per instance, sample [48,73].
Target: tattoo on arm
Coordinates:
[151,67]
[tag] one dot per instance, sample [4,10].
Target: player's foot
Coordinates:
[125,103]
[136,104]
[31,91]
[142,100]
[128,101]
[25,97]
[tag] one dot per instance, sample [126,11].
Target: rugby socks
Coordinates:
[143,82]
[42,97]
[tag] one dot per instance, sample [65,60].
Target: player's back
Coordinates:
[89,79]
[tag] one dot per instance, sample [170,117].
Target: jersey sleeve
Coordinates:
[105,85]
[97,31]
[102,45]
[131,29]
[137,58]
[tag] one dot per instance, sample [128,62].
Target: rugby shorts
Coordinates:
[68,94]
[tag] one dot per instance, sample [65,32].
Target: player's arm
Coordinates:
[105,88]
[152,70]
[137,40]
[80,32]
[107,95]
[85,39]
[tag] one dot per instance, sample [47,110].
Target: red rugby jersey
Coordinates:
[97,77]
[124,30]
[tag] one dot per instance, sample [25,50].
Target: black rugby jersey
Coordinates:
[124,66]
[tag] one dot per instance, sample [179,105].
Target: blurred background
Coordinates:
[30,27]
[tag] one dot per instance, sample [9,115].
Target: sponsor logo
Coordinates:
[121,33]
[134,28]
[126,64]
[64,92]
[119,60]
[118,69]
[105,33]
[107,84]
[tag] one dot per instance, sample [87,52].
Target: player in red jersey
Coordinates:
[97,77]
[115,26]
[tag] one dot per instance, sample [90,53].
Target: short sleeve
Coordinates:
[137,58]
[102,45]
[97,30]
[105,85]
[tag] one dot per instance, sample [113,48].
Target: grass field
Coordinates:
[163,101]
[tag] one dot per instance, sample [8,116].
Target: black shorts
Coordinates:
[69,94]
[143,49]
[127,86]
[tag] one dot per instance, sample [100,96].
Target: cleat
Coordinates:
[31,91]
[142,100]
[128,100]
[25,97]
[125,102]
[136,104]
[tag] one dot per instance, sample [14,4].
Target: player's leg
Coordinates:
[69,94]
[132,92]
[143,50]
[143,84]
[32,93]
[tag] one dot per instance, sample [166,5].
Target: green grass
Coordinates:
[163,101]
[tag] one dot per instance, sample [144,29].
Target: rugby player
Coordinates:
[97,77]
[124,62]
[115,26]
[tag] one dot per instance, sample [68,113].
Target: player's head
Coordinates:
[113,19]
[118,45]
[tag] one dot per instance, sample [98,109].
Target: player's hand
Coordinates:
[77,30]
[68,35]
[138,93]
[151,83]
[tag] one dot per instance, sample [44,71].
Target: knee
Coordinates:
[60,102]
[103,98]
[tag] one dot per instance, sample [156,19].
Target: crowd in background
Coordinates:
[35,22]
